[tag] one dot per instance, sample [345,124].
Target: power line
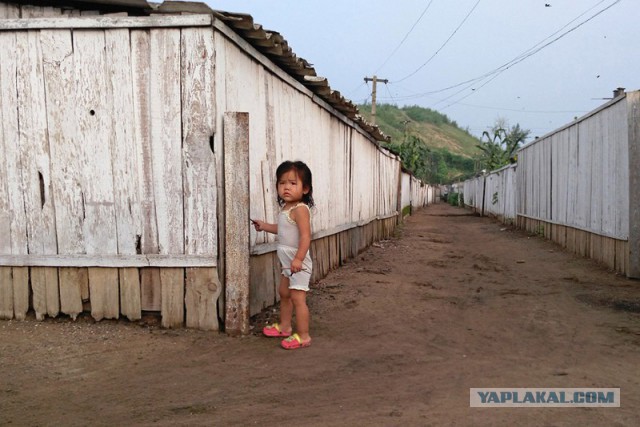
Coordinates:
[521,57]
[405,37]
[443,45]
[389,92]
[522,111]
[355,89]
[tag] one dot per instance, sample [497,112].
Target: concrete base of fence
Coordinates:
[613,253]
[328,253]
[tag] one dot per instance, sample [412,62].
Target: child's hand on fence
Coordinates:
[259,225]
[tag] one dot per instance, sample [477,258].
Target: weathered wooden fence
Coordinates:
[493,194]
[579,186]
[415,193]
[107,169]
[125,140]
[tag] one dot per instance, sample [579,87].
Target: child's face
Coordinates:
[290,188]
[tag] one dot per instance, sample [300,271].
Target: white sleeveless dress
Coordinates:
[288,240]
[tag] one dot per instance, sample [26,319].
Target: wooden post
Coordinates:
[484,191]
[399,197]
[633,105]
[236,202]
[375,81]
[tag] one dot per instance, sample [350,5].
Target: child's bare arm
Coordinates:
[265,226]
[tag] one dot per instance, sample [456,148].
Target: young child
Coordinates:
[295,197]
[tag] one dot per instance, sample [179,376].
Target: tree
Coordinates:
[415,156]
[500,146]
[515,138]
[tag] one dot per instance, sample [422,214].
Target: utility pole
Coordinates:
[375,80]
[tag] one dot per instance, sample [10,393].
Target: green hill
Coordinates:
[451,150]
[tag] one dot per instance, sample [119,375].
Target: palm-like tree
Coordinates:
[499,147]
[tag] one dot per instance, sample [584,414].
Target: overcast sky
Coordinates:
[473,60]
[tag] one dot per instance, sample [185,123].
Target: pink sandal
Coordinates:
[294,342]
[274,331]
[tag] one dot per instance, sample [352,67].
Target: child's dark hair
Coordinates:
[303,172]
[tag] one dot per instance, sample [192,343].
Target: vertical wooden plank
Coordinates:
[44,285]
[10,191]
[36,174]
[150,289]
[124,157]
[94,128]
[633,112]
[202,289]
[608,186]
[6,293]
[104,293]
[150,292]
[130,301]
[20,277]
[198,114]
[172,283]
[572,177]
[236,173]
[9,11]
[66,160]
[72,281]
[166,139]
[262,286]
[621,253]
[611,253]
[597,177]
[123,149]
[30,11]
[94,106]
[220,71]
[70,12]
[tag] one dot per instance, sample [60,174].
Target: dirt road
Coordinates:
[400,334]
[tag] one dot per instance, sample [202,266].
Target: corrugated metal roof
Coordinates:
[268,42]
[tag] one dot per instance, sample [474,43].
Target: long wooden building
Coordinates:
[137,140]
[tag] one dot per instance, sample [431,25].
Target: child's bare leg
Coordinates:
[299,299]
[286,305]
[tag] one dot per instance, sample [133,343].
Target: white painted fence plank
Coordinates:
[165,139]
[93,113]
[94,108]
[199,164]
[597,145]
[150,292]
[623,172]
[66,147]
[607,189]
[124,151]
[8,178]
[36,174]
